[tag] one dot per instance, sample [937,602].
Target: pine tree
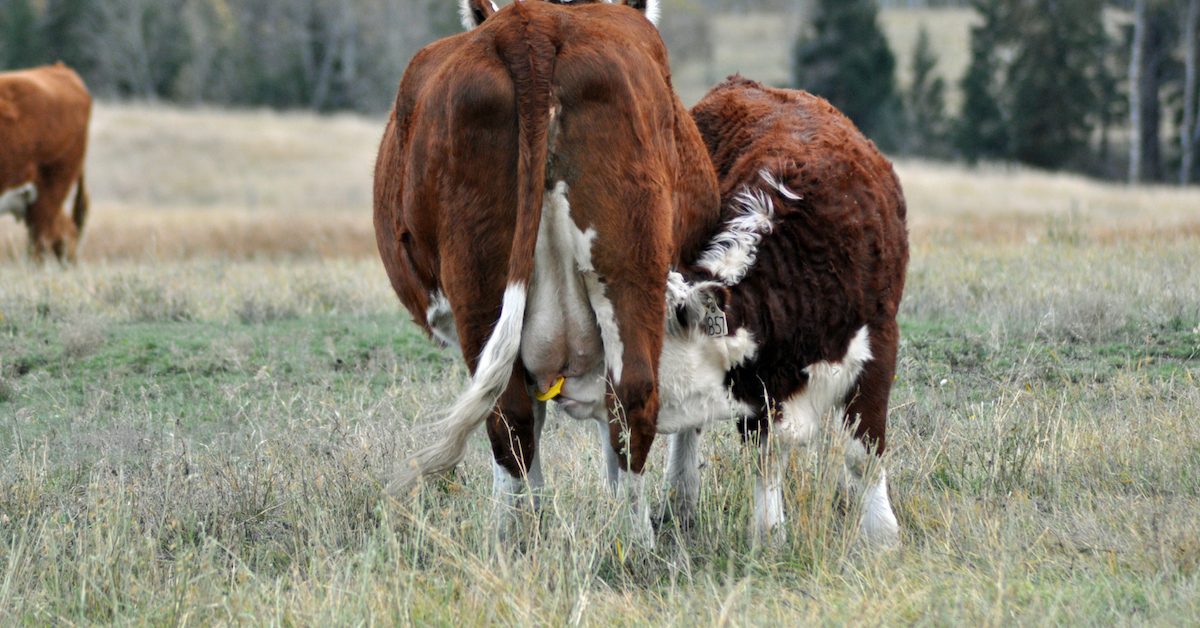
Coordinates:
[926,100]
[1039,102]
[981,132]
[66,33]
[847,61]
[20,35]
[1052,81]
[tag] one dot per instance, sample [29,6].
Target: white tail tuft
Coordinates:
[473,406]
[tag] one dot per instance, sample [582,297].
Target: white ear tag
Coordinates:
[714,319]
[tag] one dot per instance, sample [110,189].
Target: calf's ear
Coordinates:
[687,298]
[474,12]
[650,8]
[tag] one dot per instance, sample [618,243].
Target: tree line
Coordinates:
[317,54]
[1048,85]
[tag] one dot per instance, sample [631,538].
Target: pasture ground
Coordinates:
[196,422]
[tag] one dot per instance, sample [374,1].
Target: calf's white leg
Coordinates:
[683,475]
[878,523]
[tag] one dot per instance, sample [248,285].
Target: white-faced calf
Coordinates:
[791,312]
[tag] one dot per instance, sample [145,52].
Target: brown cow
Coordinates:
[537,179]
[44,115]
[791,313]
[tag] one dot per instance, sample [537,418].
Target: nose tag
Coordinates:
[552,393]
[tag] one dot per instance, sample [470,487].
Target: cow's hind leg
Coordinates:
[633,406]
[50,229]
[514,429]
[867,414]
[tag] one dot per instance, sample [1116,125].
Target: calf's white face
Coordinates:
[691,371]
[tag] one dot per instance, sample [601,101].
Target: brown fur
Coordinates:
[836,259]
[44,114]
[466,155]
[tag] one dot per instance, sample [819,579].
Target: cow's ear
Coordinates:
[650,8]
[474,12]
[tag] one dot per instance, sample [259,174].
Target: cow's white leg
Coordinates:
[683,475]
[633,485]
[509,492]
[533,475]
[506,495]
[878,523]
[612,464]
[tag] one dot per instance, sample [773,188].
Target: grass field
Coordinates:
[195,422]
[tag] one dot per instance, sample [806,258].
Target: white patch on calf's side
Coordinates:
[440,318]
[732,252]
[826,390]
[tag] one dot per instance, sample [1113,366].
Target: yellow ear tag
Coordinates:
[552,393]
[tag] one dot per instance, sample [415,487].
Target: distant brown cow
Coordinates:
[44,115]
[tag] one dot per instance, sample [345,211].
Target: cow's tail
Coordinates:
[80,212]
[529,57]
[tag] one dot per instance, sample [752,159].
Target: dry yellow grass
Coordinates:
[1014,204]
[170,183]
[173,184]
